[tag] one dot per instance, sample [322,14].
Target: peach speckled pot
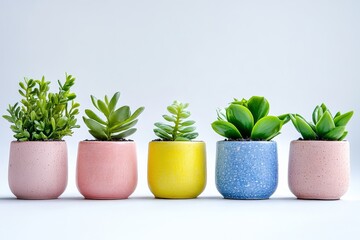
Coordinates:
[319,169]
[38,170]
[106,170]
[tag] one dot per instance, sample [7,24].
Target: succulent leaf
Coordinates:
[226,129]
[248,119]
[259,107]
[342,120]
[325,124]
[119,122]
[335,133]
[266,127]
[180,130]
[305,129]
[241,118]
[43,115]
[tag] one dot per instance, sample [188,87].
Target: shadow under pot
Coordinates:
[246,169]
[176,169]
[106,170]
[319,169]
[38,169]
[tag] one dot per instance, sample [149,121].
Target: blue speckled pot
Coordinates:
[246,169]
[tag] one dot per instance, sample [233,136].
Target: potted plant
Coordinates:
[38,166]
[246,161]
[107,166]
[176,164]
[319,162]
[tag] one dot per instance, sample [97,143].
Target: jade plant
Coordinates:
[43,115]
[324,125]
[248,120]
[118,123]
[179,129]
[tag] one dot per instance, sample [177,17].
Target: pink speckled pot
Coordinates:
[106,170]
[319,169]
[38,170]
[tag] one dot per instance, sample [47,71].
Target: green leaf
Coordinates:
[187,129]
[285,118]
[335,134]
[190,135]
[226,129]
[162,134]
[343,119]
[98,135]
[343,136]
[172,110]
[266,127]
[325,124]
[169,118]
[96,127]
[94,101]
[316,115]
[125,126]
[93,116]
[167,128]
[114,101]
[188,123]
[119,116]
[241,118]
[259,107]
[10,119]
[125,134]
[337,114]
[131,118]
[53,124]
[184,114]
[305,129]
[183,139]
[272,136]
[103,108]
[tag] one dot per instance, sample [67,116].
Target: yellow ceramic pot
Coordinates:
[176,169]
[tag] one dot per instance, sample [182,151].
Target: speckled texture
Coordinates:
[106,170]
[246,170]
[38,170]
[319,169]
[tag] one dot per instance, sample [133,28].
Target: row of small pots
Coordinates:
[244,169]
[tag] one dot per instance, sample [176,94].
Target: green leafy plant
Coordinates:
[324,125]
[43,115]
[118,123]
[248,120]
[180,129]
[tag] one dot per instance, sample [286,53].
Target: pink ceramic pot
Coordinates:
[106,170]
[38,170]
[319,169]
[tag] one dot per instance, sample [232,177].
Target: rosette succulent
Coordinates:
[43,115]
[324,125]
[180,129]
[118,123]
[249,120]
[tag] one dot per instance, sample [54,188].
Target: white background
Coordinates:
[295,53]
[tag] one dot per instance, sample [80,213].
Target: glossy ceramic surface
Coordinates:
[176,169]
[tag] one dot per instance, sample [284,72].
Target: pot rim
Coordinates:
[106,142]
[245,141]
[318,141]
[177,142]
[48,141]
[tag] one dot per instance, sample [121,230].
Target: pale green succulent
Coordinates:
[118,123]
[180,128]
